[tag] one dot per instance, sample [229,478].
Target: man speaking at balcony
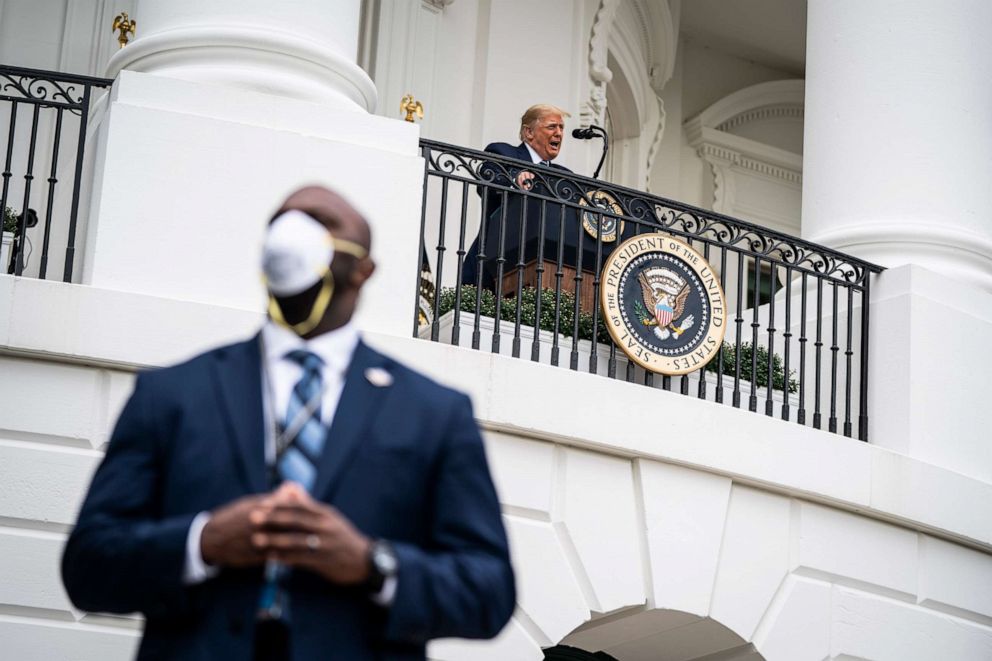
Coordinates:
[297,495]
[542,129]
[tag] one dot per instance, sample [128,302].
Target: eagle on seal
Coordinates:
[665,292]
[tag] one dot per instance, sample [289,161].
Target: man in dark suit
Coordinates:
[349,516]
[542,129]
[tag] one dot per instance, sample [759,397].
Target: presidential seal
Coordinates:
[663,304]
[596,224]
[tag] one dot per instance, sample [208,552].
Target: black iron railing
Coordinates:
[797,322]
[43,111]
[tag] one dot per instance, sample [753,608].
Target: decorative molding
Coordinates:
[438,4]
[642,39]
[594,109]
[659,133]
[759,114]
[664,45]
[720,195]
[751,101]
[281,63]
[712,153]
[599,41]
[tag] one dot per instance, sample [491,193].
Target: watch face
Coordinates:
[384,559]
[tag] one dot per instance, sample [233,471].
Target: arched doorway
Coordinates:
[567,653]
[640,634]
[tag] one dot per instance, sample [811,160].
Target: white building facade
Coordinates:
[643,523]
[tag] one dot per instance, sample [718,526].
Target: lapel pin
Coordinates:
[378,377]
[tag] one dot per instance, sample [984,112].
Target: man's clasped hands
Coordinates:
[289,526]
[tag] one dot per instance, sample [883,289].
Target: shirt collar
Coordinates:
[534,156]
[334,347]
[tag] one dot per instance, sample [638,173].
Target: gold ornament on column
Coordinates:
[409,105]
[125,25]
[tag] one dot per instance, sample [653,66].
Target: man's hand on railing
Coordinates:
[525,179]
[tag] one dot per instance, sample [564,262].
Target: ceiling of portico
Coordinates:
[768,32]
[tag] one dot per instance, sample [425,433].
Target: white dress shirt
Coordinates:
[534,156]
[335,348]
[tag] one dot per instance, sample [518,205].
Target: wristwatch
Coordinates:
[383,564]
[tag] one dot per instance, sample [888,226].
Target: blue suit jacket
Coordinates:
[403,462]
[491,206]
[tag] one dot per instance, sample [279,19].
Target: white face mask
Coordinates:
[296,255]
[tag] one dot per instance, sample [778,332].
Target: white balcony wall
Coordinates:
[621,501]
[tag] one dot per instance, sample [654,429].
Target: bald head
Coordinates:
[332,211]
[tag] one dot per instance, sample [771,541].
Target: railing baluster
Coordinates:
[480,260]
[522,228]
[500,260]
[535,349]
[863,391]
[849,353]
[834,348]
[739,320]
[752,402]
[818,344]
[769,401]
[577,300]
[801,414]
[559,274]
[442,227]
[786,343]
[460,268]
[52,182]
[28,178]
[719,354]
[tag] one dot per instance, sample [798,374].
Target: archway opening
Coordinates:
[640,634]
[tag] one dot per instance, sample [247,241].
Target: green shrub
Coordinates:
[528,310]
[778,372]
[9,220]
[566,318]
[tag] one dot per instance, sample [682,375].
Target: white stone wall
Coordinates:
[54,421]
[619,500]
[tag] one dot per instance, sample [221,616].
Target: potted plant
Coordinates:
[7,237]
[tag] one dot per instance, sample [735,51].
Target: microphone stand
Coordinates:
[593,131]
[606,147]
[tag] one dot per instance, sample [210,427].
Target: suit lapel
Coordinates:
[238,379]
[360,399]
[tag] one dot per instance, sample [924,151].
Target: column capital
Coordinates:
[307,55]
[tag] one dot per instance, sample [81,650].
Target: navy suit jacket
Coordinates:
[403,462]
[492,203]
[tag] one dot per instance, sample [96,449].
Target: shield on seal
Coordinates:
[663,313]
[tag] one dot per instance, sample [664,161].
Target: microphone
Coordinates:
[583,134]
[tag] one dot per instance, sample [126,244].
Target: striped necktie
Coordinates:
[546,163]
[301,457]
[297,462]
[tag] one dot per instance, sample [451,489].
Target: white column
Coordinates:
[898,171]
[303,49]
[898,137]
[221,108]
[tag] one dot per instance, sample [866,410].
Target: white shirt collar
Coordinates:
[534,156]
[334,347]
